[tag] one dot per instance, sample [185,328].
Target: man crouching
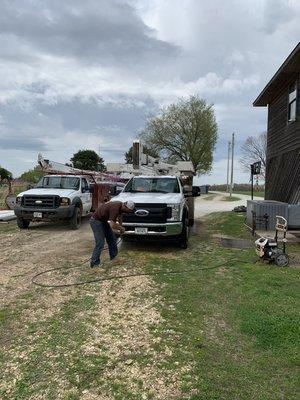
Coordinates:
[103,221]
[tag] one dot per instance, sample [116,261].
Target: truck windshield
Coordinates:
[59,182]
[153,185]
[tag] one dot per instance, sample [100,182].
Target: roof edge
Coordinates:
[262,98]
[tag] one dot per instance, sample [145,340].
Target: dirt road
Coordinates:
[47,245]
[214,202]
[91,323]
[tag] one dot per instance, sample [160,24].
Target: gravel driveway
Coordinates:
[214,202]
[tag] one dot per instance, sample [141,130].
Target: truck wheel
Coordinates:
[191,222]
[75,220]
[282,260]
[184,236]
[23,223]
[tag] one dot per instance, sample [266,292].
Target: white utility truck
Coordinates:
[64,193]
[161,208]
[55,197]
[163,195]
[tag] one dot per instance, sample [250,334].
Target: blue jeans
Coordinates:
[102,231]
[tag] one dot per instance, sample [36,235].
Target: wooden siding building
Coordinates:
[282,96]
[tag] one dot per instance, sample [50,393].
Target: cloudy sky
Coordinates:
[84,74]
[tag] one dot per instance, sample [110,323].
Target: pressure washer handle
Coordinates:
[281,223]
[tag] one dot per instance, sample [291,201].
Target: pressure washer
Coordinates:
[268,248]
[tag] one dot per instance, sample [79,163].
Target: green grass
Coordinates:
[232,332]
[8,227]
[54,350]
[237,325]
[232,198]
[228,224]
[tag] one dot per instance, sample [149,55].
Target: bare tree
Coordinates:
[254,149]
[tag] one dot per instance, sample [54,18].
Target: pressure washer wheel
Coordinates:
[282,260]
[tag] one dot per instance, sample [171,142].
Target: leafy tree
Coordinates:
[185,131]
[88,160]
[5,175]
[254,149]
[146,150]
[32,175]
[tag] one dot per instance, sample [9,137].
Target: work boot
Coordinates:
[97,266]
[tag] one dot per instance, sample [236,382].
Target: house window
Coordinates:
[292,102]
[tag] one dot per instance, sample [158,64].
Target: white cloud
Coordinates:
[76,73]
[53,80]
[219,174]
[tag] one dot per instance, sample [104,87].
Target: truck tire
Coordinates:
[23,223]
[184,236]
[191,222]
[75,220]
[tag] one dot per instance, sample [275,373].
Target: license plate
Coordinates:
[37,215]
[141,231]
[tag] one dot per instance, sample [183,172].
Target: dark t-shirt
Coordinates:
[108,211]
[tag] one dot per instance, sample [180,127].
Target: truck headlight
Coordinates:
[175,216]
[64,201]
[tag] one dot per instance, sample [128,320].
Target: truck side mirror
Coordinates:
[187,191]
[196,191]
[91,188]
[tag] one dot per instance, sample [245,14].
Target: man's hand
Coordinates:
[116,227]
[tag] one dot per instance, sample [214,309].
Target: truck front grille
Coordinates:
[158,213]
[35,201]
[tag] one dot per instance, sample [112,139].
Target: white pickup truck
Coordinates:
[161,208]
[55,197]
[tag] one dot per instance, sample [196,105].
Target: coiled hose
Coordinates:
[34,279]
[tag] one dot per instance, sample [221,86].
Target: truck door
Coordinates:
[86,196]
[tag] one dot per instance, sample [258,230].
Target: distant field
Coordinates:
[256,194]
[246,192]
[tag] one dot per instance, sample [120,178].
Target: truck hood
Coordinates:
[164,198]
[48,192]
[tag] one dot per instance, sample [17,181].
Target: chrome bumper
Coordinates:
[167,229]
[48,214]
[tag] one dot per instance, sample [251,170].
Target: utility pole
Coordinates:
[232,157]
[228,163]
[252,173]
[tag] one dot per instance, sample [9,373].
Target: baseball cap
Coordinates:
[129,204]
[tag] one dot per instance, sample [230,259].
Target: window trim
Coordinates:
[290,102]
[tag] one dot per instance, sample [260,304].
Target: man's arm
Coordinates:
[115,225]
[114,220]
